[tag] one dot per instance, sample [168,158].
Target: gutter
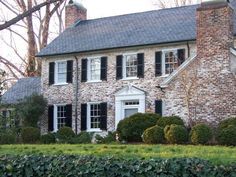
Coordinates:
[76,94]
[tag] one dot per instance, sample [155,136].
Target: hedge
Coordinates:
[88,166]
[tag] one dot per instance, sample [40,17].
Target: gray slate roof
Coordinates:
[145,28]
[23,87]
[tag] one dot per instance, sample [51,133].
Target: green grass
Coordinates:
[215,154]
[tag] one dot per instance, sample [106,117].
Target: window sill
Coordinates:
[130,78]
[95,81]
[166,75]
[94,130]
[60,84]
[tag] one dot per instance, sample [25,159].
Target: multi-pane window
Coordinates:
[61,116]
[95,113]
[61,72]
[131,63]
[171,61]
[95,68]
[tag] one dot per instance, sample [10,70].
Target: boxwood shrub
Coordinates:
[30,135]
[176,134]
[7,138]
[110,138]
[82,138]
[200,134]
[90,166]
[164,121]
[48,138]
[65,134]
[153,135]
[227,136]
[225,123]
[131,129]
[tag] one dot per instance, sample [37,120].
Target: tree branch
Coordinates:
[25,14]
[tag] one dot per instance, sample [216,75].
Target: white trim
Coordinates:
[128,93]
[88,128]
[177,71]
[233,51]
[124,66]
[56,73]
[89,80]
[55,128]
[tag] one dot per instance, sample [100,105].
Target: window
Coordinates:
[61,72]
[131,107]
[61,116]
[171,61]
[94,69]
[95,114]
[130,65]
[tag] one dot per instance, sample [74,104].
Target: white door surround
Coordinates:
[122,98]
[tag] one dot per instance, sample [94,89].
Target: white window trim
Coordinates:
[89,80]
[89,129]
[56,72]
[124,67]
[163,67]
[55,127]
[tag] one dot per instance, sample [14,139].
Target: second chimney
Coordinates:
[74,12]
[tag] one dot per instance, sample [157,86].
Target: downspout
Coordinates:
[188,47]
[76,94]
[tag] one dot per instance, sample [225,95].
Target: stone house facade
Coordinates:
[100,71]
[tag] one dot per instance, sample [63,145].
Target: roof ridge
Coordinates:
[135,13]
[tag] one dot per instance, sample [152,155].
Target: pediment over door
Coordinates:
[129,90]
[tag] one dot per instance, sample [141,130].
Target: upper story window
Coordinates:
[167,61]
[60,72]
[94,69]
[130,66]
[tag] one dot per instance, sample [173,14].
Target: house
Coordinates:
[177,61]
[24,87]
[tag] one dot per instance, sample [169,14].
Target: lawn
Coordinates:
[215,154]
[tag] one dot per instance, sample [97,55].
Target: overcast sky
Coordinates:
[103,8]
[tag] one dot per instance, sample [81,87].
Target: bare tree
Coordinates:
[173,3]
[189,85]
[30,29]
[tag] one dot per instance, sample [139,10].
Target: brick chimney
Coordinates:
[74,12]
[214,27]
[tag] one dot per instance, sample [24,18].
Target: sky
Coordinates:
[103,8]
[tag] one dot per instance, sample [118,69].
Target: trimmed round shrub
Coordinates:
[164,121]
[225,123]
[153,135]
[200,134]
[7,138]
[176,134]
[131,129]
[65,133]
[30,135]
[227,136]
[48,139]
[81,138]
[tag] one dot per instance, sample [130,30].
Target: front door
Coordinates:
[130,108]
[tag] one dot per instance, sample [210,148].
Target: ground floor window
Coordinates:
[95,114]
[61,116]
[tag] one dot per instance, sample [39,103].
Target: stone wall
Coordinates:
[213,95]
[104,91]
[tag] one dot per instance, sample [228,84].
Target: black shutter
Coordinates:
[83,117]
[119,62]
[181,56]
[158,63]
[50,118]
[104,68]
[140,65]
[51,73]
[69,115]
[158,107]
[103,118]
[69,75]
[84,70]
